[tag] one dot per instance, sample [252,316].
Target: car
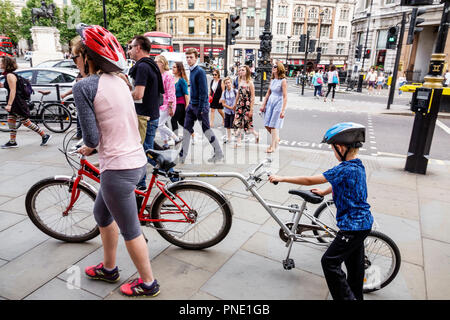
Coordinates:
[47,77]
[65,63]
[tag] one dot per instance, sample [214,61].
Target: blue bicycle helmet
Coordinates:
[349,134]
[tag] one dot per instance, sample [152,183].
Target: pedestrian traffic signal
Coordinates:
[414,22]
[391,41]
[302,44]
[358,51]
[319,55]
[367,54]
[312,45]
[231,30]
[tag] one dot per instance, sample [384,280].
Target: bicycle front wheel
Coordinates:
[56,117]
[381,262]
[47,202]
[203,221]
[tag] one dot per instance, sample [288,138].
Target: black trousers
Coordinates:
[331,86]
[178,117]
[347,247]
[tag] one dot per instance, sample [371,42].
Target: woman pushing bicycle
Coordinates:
[349,188]
[109,123]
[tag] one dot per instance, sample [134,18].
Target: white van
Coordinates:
[173,57]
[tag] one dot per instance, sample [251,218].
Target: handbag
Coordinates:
[319,80]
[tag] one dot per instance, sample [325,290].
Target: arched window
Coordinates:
[312,13]
[299,12]
[327,14]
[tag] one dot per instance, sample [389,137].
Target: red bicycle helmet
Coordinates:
[102,46]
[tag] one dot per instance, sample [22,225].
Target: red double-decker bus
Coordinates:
[6,46]
[161,42]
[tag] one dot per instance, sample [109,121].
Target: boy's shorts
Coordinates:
[228,122]
[142,122]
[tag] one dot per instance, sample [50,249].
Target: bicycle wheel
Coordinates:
[326,213]
[48,199]
[4,127]
[210,212]
[56,117]
[382,261]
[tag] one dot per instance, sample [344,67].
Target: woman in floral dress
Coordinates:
[244,105]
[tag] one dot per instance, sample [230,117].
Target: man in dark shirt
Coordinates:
[147,88]
[198,108]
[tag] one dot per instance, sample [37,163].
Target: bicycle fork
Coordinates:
[289,263]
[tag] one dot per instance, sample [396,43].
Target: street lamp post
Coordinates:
[264,66]
[105,24]
[321,14]
[287,52]
[211,51]
[361,76]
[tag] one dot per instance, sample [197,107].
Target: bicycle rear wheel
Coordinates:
[382,261]
[4,127]
[46,203]
[326,213]
[56,117]
[211,215]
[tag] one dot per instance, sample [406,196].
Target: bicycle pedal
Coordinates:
[288,264]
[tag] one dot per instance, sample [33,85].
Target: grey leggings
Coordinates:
[116,201]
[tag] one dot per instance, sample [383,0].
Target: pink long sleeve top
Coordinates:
[169,94]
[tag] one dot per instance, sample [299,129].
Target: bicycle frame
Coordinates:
[299,212]
[89,170]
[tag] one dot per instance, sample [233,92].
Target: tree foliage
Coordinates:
[125,18]
[9,25]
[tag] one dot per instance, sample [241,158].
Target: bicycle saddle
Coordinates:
[164,158]
[44,93]
[307,195]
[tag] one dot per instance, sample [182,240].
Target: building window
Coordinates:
[382,38]
[324,31]
[390,1]
[262,15]
[324,47]
[171,26]
[295,46]
[250,12]
[312,28]
[191,25]
[213,26]
[312,13]
[299,12]
[279,46]
[250,32]
[207,26]
[172,5]
[344,14]
[327,14]
[219,27]
[191,4]
[212,4]
[340,49]
[298,29]
[261,30]
[342,31]
[282,11]
[281,27]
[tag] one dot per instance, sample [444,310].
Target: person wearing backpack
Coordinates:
[317,82]
[17,106]
[333,81]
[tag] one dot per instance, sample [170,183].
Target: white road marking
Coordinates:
[443,126]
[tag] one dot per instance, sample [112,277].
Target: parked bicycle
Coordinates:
[54,115]
[195,215]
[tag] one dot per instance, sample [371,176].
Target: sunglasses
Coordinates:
[275,67]
[74,58]
[215,74]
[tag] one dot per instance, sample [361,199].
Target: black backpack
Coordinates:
[24,87]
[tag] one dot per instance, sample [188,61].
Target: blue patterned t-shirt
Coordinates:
[348,180]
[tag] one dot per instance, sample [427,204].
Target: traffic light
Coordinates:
[391,41]
[231,30]
[367,54]
[319,54]
[302,44]
[312,45]
[413,28]
[358,51]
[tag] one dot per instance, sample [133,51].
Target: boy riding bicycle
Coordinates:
[349,188]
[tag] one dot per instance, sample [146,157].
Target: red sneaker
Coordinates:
[137,288]
[99,273]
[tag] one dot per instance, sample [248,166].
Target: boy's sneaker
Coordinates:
[99,273]
[45,139]
[9,144]
[137,288]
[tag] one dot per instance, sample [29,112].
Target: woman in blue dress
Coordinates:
[274,104]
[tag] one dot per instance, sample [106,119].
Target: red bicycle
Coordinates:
[189,214]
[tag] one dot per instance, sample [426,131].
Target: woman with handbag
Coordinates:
[317,82]
[333,81]
[17,107]
[215,93]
